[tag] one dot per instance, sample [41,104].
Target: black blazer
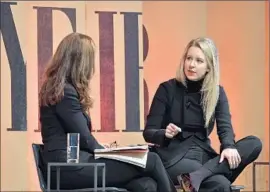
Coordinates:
[168,106]
[65,117]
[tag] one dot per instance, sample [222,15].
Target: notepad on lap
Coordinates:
[136,155]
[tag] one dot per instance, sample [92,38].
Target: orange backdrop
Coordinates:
[141,42]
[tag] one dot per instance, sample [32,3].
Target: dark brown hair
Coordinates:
[72,62]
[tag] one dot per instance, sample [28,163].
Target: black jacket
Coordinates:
[65,117]
[169,106]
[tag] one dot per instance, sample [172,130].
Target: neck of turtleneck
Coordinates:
[194,86]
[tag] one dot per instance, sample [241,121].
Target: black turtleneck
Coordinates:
[194,86]
[193,114]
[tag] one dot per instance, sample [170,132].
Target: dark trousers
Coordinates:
[222,176]
[119,174]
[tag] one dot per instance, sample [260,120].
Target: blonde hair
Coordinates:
[210,86]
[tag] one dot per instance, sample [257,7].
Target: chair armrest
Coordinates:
[58,165]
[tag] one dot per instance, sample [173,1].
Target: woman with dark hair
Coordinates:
[64,104]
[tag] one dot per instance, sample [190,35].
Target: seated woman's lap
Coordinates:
[118,174]
[192,161]
[215,182]
[183,166]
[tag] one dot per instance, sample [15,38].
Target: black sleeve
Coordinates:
[70,112]
[223,120]
[154,131]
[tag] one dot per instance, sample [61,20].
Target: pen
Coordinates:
[178,129]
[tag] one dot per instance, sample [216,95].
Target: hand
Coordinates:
[172,130]
[232,156]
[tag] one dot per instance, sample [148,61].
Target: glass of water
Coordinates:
[73,147]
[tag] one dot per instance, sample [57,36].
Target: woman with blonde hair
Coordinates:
[182,116]
[64,104]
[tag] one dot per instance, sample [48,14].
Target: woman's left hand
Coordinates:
[232,156]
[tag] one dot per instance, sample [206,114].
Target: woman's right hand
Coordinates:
[172,130]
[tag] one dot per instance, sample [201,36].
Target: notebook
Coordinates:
[135,155]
